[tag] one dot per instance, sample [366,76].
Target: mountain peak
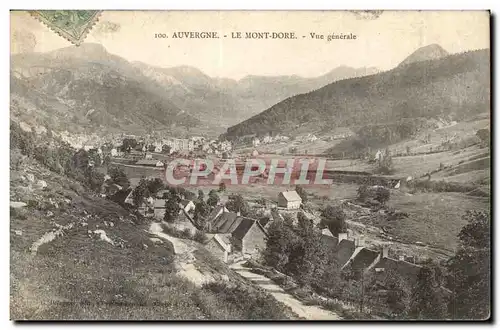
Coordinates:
[86,51]
[426,53]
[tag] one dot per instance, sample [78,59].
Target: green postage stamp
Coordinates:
[72,25]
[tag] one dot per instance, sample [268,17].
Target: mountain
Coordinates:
[426,53]
[86,88]
[223,101]
[455,86]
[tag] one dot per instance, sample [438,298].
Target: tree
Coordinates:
[119,177]
[470,269]
[307,258]
[288,218]
[222,187]
[213,198]
[106,160]
[362,193]
[166,149]
[155,185]
[398,294]
[80,160]
[302,193]
[385,165]
[382,195]
[94,156]
[128,144]
[333,217]
[201,195]
[236,203]
[427,301]
[262,201]
[172,207]
[95,180]
[279,242]
[201,212]
[140,192]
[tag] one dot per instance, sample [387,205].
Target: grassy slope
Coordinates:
[80,276]
[434,218]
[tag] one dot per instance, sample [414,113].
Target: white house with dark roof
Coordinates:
[289,199]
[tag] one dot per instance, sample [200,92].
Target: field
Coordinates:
[419,165]
[435,219]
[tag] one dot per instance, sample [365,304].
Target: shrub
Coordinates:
[186,233]
[253,304]
[333,217]
[200,236]
[382,195]
[362,192]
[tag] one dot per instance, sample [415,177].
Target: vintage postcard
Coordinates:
[250,165]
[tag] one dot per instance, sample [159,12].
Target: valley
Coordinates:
[143,191]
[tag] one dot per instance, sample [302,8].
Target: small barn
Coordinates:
[289,199]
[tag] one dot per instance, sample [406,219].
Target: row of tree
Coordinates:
[458,288]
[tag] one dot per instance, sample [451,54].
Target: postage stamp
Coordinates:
[73,25]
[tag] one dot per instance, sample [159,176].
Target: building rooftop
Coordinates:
[291,196]
[159,203]
[364,258]
[344,251]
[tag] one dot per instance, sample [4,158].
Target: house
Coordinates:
[159,208]
[219,245]
[289,199]
[329,240]
[344,251]
[150,162]
[361,259]
[225,223]
[187,205]
[249,237]
[385,265]
[216,212]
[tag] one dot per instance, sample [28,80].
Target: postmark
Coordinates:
[73,25]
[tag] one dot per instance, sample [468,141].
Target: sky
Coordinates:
[381,42]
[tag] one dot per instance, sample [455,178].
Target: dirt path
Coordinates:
[308,312]
[184,257]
